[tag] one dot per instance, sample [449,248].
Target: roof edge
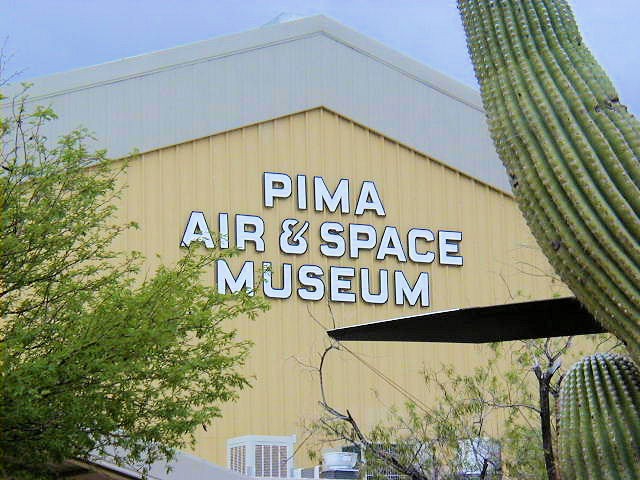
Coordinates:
[403,63]
[202,51]
[469,176]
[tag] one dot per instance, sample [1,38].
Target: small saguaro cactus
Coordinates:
[570,147]
[600,419]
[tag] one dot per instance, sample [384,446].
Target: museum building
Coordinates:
[359,184]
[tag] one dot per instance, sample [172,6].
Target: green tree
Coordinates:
[95,352]
[511,399]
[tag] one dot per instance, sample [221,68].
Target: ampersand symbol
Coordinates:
[292,241]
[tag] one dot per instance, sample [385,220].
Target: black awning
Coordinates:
[556,317]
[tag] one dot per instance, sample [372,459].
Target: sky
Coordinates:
[48,36]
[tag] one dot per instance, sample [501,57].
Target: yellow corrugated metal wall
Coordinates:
[224,172]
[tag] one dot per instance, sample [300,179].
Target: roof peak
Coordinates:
[215,85]
[283,28]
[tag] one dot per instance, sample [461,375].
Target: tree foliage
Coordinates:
[511,399]
[96,353]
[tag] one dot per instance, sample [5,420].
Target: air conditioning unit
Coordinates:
[310,472]
[261,455]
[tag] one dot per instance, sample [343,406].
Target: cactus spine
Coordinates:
[600,419]
[571,149]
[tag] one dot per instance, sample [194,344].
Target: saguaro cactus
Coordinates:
[572,152]
[571,149]
[600,420]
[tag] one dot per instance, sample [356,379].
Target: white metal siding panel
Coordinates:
[170,97]
[390,101]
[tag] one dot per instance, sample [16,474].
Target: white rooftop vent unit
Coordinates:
[339,465]
[283,17]
[261,455]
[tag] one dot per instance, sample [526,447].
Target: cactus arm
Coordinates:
[606,95]
[555,94]
[576,119]
[515,140]
[600,423]
[569,146]
[556,144]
